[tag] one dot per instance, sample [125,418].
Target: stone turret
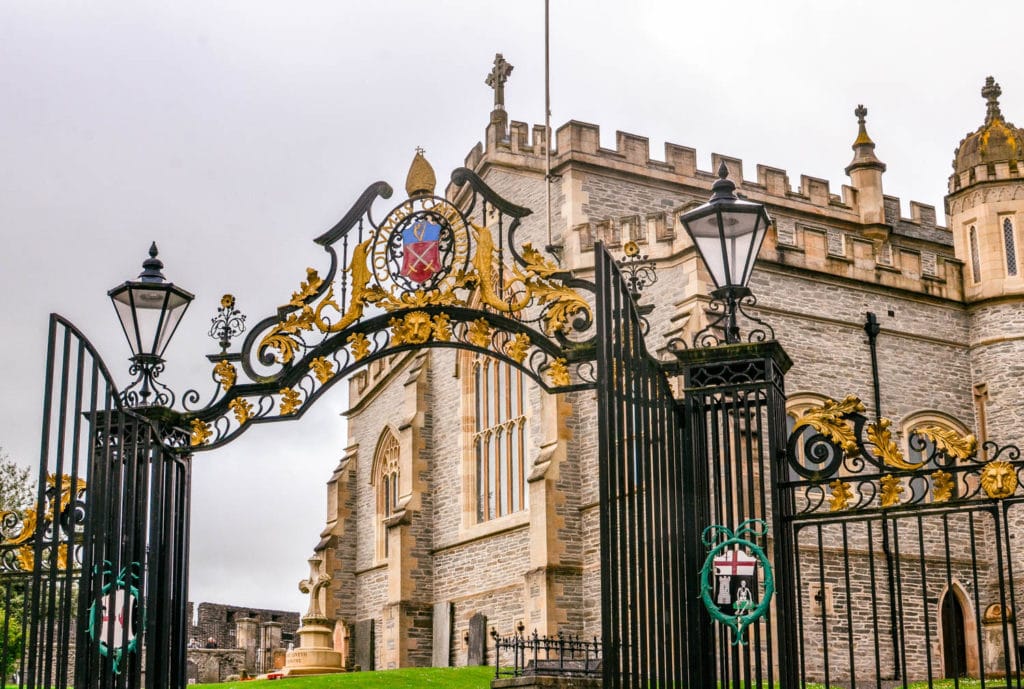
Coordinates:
[986,213]
[865,171]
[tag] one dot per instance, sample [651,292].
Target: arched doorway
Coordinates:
[954,637]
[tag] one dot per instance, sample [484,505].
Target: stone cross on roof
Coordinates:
[991,92]
[497,78]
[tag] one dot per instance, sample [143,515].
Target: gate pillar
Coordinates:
[135,559]
[735,415]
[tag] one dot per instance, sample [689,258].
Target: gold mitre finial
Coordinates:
[421,180]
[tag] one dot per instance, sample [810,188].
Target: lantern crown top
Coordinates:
[724,189]
[152,266]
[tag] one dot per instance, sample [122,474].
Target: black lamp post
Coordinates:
[728,232]
[149,309]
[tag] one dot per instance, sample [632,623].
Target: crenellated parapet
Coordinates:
[622,194]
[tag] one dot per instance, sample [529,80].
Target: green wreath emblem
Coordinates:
[746,613]
[133,606]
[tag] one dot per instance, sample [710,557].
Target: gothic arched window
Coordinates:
[975,256]
[385,480]
[1010,245]
[499,438]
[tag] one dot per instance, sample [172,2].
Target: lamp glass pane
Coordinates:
[123,308]
[176,306]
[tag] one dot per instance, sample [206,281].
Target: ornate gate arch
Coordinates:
[406,283]
[431,273]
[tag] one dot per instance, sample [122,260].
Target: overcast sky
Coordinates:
[233,133]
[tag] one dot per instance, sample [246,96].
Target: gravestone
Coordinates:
[477,654]
[442,634]
[362,646]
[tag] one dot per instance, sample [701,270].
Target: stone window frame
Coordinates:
[1011,258]
[974,250]
[510,424]
[384,476]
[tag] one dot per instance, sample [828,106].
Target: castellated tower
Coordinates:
[985,206]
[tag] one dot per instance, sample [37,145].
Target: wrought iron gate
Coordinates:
[111,509]
[906,566]
[646,572]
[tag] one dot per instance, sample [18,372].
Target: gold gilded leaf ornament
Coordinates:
[360,346]
[841,495]
[828,420]
[225,374]
[307,289]
[282,336]
[517,347]
[200,432]
[242,409]
[442,327]
[322,369]
[480,333]
[290,401]
[885,449]
[999,479]
[891,489]
[942,486]
[949,441]
[558,373]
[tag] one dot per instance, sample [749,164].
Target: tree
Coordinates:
[17,489]
[17,494]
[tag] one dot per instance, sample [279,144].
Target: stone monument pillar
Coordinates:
[315,654]
[247,637]
[270,640]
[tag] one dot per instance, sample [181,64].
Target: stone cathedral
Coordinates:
[467,494]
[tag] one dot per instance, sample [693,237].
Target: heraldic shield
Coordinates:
[421,254]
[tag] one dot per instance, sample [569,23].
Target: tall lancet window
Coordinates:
[385,480]
[1011,247]
[499,438]
[975,256]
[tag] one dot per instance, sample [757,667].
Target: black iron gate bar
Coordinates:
[938,514]
[644,560]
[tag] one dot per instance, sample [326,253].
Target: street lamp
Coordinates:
[149,309]
[728,232]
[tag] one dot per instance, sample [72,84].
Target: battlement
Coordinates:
[580,142]
[986,172]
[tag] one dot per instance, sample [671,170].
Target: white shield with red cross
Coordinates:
[736,583]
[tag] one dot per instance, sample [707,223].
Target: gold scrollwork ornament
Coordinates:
[517,347]
[892,486]
[201,432]
[999,479]
[242,409]
[828,419]
[225,374]
[880,435]
[558,373]
[360,346]
[322,369]
[942,486]
[840,496]
[307,289]
[480,333]
[290,401]
[949,442]
[442,327]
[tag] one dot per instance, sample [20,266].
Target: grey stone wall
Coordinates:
[218,621]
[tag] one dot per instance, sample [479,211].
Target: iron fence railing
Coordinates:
[559,655]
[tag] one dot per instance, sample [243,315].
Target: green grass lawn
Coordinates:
[472,678]
[409,678]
